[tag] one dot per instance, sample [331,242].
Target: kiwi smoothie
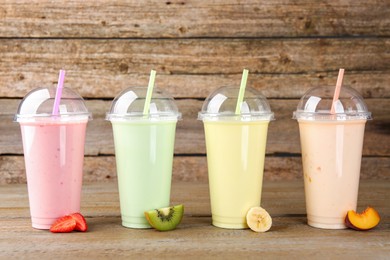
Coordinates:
[144,154]
[144,148]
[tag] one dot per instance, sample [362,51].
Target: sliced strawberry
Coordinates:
[63,225]
[81,224]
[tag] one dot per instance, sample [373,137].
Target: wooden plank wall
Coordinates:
[196,46]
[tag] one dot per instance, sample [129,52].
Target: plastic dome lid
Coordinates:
[221,105]
[316,104]
[38,105]
[129,105]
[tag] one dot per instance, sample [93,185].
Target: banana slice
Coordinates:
[258,219]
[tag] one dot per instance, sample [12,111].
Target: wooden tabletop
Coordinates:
[195,237]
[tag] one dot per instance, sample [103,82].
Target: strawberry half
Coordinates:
[81,224]
[63,225]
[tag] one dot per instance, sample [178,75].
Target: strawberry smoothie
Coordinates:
[53,145]
[54,155]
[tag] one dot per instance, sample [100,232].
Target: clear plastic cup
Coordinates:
[53,152]
[235,146]
[331,153]
[144,146]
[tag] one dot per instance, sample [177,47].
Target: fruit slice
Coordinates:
[258,219]
[165,219]
[366,220]
[81,224]
[63,225]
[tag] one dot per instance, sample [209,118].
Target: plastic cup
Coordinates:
[144,145]
[331,146]
[53,152]
[235,145]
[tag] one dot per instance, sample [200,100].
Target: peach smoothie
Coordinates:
[331,125]
[331,156]
[235,158]
[54,155]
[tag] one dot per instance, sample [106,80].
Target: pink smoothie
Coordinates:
[54,155]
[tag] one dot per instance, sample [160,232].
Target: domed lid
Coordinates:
[129,105]
[38,105]
[221,105]
[316,104]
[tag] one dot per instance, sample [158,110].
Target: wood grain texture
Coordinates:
[283,137]
[289,237]
[192,169]
[195,237]
[192,68]
[195,46]
[195,18]
[102,199]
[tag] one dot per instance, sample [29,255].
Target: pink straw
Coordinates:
[337,90]
[57,98]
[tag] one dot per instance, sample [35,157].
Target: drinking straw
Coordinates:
[337,90]
[149,92]
[57,98]
[242,91]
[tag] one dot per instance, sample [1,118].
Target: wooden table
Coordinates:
[195,237]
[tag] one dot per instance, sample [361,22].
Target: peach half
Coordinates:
[366,220]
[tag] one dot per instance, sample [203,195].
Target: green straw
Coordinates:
[149,92]
[242,91]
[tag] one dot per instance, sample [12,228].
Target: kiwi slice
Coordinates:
[165,219]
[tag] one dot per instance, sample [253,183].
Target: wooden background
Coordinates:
[195,46]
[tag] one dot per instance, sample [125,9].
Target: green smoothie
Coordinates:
[144,156]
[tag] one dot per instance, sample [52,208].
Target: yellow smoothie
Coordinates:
[235,158]
[331,156]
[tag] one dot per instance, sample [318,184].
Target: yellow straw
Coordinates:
[242,91]
[149,92]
